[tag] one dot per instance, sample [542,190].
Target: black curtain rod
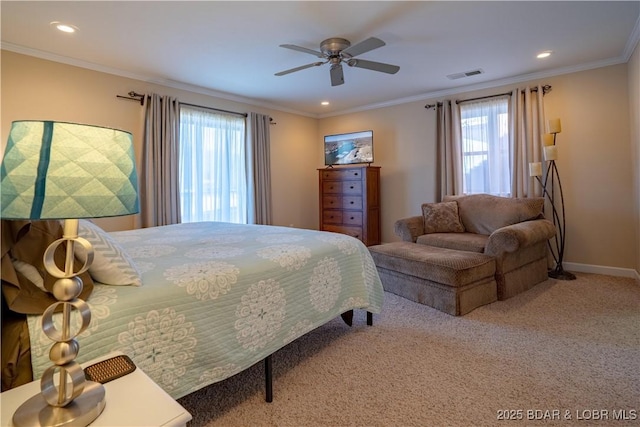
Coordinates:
[459,101]
[545,89]
[134,96]
[215,109]
[224,111]
[471,99]
[433,105]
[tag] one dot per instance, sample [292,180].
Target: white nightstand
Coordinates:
[132,400]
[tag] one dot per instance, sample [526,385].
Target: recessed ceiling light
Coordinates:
[65,28]
[324,103]
[545,54]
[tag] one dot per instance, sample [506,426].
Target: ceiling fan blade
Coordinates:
[293,70]
[303,49]
[362,47]
[337,76]
[375,66]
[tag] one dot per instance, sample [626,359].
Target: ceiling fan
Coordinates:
[338,50]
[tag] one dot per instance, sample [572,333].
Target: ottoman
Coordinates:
[451,281]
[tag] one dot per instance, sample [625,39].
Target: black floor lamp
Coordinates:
[552,189]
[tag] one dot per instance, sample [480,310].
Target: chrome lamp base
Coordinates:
[80,412]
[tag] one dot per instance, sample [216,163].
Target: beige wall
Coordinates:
[37,89]
[599,146]
[404,147]
[634,117]
[595,161]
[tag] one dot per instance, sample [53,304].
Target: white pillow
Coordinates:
[30,272]
[111,264]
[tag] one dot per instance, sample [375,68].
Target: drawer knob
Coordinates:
[352,218]
[351,202]
[351,187]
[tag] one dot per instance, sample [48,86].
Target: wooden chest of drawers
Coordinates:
[350,202]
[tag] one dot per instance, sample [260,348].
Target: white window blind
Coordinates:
[213,182]
[485,147]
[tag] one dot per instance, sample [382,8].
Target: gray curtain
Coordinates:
[449,151]
[259,169]
[160,192]
[527,128]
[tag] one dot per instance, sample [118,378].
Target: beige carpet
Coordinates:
[566,346]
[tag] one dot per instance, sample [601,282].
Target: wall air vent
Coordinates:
[465,74]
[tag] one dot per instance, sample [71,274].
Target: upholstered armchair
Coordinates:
[513,230]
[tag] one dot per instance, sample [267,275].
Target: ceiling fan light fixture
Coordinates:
[545,54]
[334,46]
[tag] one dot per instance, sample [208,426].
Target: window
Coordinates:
[485,147]
[213,182]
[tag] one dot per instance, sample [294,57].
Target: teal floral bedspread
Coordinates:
[217,297]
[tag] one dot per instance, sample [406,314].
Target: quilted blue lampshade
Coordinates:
[57,170]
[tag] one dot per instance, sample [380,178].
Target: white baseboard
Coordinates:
[601,269]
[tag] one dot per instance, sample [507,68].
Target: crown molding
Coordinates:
[484,85]
[628,51]
[134,76]
[632,42]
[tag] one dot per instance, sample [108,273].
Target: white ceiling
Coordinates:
[231,48]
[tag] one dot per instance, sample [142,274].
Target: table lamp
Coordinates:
[56,170]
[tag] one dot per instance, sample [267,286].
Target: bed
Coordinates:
[215,298]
